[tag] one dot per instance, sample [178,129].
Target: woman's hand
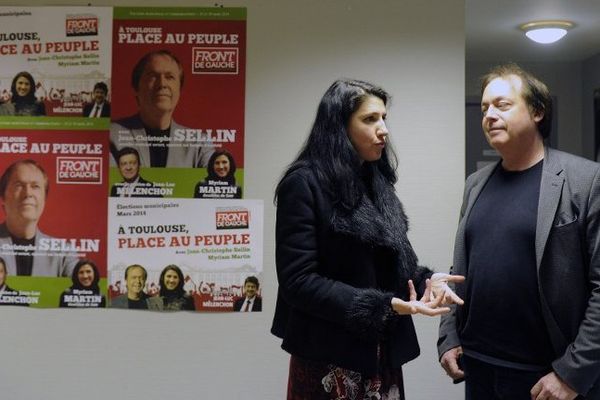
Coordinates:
[440,289]
[428,305]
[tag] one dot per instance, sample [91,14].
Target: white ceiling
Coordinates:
[492,31]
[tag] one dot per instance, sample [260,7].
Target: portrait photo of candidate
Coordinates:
[251,301]
[23,101]
[135,297]
[172,295]
[133,185]
[85,291]
[220,182]
[99,107]
[3,274]
[23,195]
[157,81]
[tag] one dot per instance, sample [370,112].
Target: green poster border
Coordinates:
[180,13]
[50,288]
[184,179]
[55,123]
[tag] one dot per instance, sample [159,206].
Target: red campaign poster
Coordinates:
[178,89]
[53,216]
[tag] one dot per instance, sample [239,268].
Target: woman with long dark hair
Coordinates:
[348,276]
[220,182]
[23,101]
[172,296]
[85,291]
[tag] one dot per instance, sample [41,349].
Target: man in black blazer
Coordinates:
[250,302]
[135,281]
[100,107]
[528,243]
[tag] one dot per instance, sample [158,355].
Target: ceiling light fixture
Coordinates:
[546,31]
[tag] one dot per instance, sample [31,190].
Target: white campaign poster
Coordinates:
[215,245]
[64,50]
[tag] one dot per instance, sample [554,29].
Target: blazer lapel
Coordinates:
[551,188]
[478,187]
[550,192]
[460,251]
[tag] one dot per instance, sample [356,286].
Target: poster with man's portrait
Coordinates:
[53,216]
[178,102]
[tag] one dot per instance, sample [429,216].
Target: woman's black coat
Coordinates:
[337,274]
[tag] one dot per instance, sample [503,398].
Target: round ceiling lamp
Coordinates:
[546,31]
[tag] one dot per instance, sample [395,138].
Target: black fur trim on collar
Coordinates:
[384,226]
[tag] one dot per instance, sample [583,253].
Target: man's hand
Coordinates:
[551,387]
[424,306]
[439,287]
[449,362]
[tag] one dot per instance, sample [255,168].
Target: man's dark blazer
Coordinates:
[122,301]
[87,109]
[567,248]
[256,306]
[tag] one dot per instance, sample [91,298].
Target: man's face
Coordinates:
[25,195]
[250,289]
[135,282]
[506,116]
[160,83]
[99,95]
[2,274]
[129,167]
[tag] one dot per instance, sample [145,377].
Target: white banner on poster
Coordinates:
[67,50]
[216,244]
